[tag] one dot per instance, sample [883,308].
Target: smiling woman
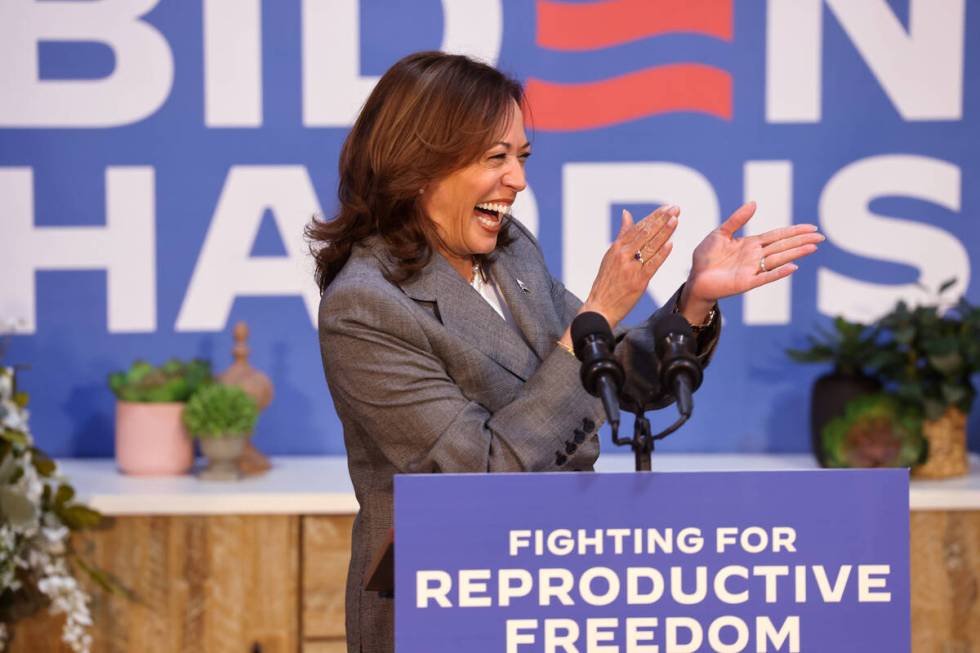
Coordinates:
[428,128]
[469,206]
[445,341]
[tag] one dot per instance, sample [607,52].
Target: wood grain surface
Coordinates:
[199,584]
[945,582]
[264,584]
[332,646]
[326,554]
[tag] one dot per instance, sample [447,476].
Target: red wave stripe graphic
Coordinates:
[565,26]
[664,89]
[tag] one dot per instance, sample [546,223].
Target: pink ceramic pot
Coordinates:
[151,440]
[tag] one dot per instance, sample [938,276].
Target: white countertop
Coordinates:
[311,485]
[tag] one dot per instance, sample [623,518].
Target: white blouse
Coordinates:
[489,291]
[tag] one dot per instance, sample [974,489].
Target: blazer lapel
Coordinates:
[529,299]
[467,315]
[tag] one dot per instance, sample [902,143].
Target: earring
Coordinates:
[420,190]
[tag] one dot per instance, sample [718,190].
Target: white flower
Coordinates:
[7,536]
[6,383]
[30,483]
[40,545]
[68,598]
[13,417]
[55,538]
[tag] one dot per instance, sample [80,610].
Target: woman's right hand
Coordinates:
[623,278]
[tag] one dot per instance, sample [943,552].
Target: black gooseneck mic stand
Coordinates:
[672,373]
[680,375]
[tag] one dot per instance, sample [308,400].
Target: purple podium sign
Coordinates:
[810,561]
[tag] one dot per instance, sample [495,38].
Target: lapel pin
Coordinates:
[524,288]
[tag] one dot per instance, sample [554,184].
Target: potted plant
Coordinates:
[848,349]
[927,358]
[923,358]
[150,438]
[222,418]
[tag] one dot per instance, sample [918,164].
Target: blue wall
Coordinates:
[158,161]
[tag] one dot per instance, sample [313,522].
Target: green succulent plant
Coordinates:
[220,411]
[875,431]
[174,381]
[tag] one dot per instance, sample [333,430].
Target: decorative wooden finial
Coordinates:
[255,384]
[240,352]
[243,375]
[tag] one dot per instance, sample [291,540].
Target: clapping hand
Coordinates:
[630,262]
[725,264]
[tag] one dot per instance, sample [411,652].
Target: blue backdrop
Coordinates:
[159,158]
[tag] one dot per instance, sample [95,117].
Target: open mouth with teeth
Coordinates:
[491,214]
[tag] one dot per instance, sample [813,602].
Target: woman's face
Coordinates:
[468,204]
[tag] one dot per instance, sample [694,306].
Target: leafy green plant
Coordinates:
[924,355]
[220,411]
[876,430]
[174,381]
[927,357]
[849,347]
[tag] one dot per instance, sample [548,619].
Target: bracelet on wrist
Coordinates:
[708,320]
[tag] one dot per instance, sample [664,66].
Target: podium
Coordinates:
[655,562]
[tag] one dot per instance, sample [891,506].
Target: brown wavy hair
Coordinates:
[430,114]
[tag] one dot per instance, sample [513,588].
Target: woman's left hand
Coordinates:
[724,265]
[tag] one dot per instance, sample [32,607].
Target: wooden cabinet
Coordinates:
[275,584]
[213,584]
[326,552]
[260,567]
[197,583]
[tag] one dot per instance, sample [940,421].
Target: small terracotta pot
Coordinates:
[223,456]
[151,440]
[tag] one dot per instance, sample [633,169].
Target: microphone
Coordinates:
[680,371]
[602,375]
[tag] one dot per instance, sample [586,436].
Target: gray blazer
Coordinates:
[426,377]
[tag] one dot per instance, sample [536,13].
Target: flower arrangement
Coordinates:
[38,512]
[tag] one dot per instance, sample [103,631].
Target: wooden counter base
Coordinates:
[275,584]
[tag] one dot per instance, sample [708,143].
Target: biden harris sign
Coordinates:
[644,563]
[159,159]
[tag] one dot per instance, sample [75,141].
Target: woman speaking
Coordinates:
[445,340]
